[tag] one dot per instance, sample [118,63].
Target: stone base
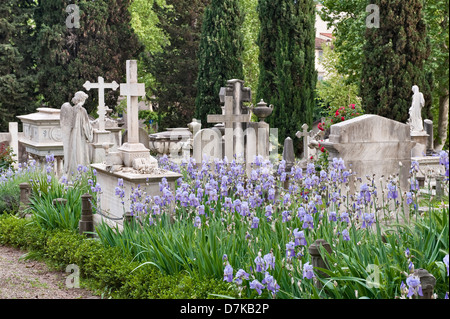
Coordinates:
[421,138]
[132,151]
[111,205]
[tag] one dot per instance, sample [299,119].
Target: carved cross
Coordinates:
[228,118]
[132,90]
[101,86]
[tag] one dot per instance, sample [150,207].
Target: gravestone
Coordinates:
[42,136]
[428,126]
[233,117]
[134,154]
[132,162]
[371,144]
[238,137]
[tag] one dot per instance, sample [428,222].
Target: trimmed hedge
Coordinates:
[106,268]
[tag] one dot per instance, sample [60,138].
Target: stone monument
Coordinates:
[42,136]
[132,161]
[418,134]
[101,135]
[236,137]
[371,144]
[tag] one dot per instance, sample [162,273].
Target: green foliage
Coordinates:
[175,66]
[286,61]
[220,54]
[335,89]
[9,185]
[17,67]
[67,57]
[47,188]
[394,56]
[250,29]
[105,269]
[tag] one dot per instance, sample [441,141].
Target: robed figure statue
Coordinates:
[77,133]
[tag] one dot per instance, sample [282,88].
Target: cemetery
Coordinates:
[253,189]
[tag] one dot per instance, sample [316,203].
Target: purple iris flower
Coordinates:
[368,220]
[345,235]
[392,191]
[241,274]
[255,284]
[285,216]
[228,273]
[259,264]
[270,261]
[299,237]
[332,217]
[272,285]
[301,212]
[290,252]
[308,271]
[255,222]
[197,221]
[308,222]
[344,217]
[409,199]
[414,285]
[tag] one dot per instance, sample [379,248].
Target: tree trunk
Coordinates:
[443,121]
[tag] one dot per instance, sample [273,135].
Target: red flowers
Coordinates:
[322,149]
[342,118]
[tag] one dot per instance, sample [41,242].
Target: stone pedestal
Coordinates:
[132,151]
[98,151]
[149,183]
[42,136]
[421,140]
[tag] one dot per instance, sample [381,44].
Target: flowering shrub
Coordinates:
[6,159]
[253,233]
[340,114]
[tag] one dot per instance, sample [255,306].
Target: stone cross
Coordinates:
[101,86]
[132,90]
[134,153]
[228,118]
[305,134]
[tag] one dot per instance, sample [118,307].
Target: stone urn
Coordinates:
[261,110]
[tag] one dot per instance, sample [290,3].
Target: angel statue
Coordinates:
[77,133]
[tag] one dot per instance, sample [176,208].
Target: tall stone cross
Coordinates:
[233,95]
[101,86]
[305,134]
[229,119]
[133,150]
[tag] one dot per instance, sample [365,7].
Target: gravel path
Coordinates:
[29,279]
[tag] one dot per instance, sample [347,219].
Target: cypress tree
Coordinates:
[17,72]
[175,68]
[394,56]
[220,55]
[287,71]
[67,57]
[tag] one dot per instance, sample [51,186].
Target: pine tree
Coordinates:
[175,68]
[17,73]
[67,57]
[287,71]
[394,56]
[219,55]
